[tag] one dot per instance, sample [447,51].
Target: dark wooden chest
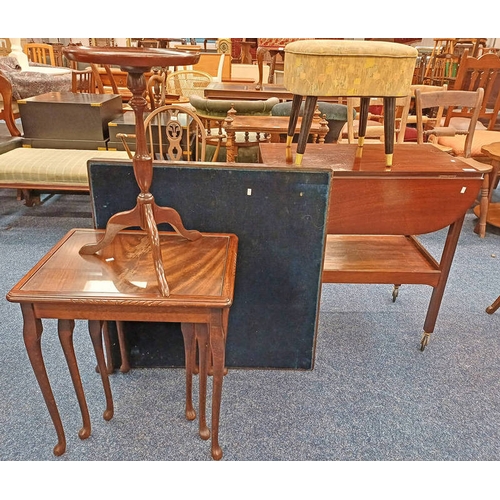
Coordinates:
[69,120]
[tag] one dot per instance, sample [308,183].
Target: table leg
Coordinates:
[32,333]
[260,64]
[309,108]
[65,329]
[272,67]
[438,291]
[190,360]
[125,364]
[107,344]
[202,337]
[95,330]
[491,309]
[480,227]
[218,349]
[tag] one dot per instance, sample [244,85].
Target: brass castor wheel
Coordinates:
[424,341]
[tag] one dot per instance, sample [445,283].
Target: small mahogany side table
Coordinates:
[119,284]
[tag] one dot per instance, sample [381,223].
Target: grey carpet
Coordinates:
[372,394]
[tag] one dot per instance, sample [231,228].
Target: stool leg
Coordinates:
[363,119]
[309,108]
[292,125]
[389,129]
[65,329]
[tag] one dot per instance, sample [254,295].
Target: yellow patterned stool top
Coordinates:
[348,68]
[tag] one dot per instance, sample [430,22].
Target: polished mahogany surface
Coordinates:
[425,189]
[130,57]
[411,159]
[238,90]
[124,271]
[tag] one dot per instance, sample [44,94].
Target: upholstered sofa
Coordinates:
[35,170]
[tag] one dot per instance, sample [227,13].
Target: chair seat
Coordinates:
[481,137]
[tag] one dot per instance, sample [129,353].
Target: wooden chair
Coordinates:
[156,91]
[412,118]
[443,62]
[484,72]
[450,99]
[186,83]
[83,81]
[9,111]
[173,133]
[41,53]
[110,86]
[275,47]
[110,89]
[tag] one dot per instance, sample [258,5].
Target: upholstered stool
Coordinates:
[346,68]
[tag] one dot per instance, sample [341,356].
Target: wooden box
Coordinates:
[123,124]
[68,120]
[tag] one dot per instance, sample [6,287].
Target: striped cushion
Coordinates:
[64,167]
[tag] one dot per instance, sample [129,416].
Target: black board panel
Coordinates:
[279,216]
